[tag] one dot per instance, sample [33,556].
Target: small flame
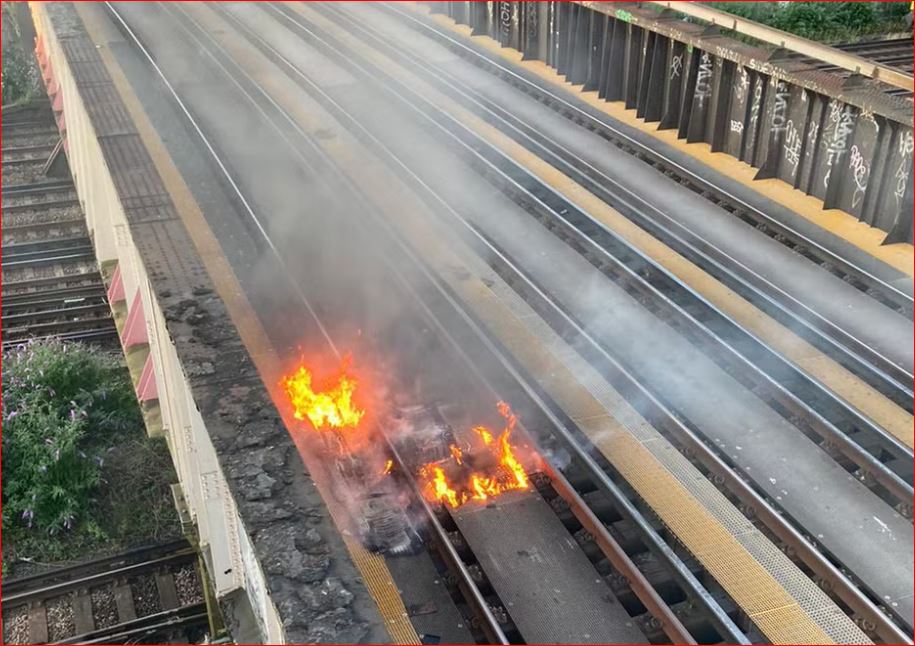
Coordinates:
[504,472]
[438,485]
[484,434]
[388,467]
[328,408]
[456,453]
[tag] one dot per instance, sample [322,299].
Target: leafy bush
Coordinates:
[825,21]
[64,405]
[20,73]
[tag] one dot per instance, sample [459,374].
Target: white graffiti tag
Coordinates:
[780,109]
[841,120]
[792,145]
[906,146]
[859,172]
[704,78]
[676,65]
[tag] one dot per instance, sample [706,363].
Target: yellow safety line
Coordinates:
[744,578]
[844,225]
[372,567]
[870,402]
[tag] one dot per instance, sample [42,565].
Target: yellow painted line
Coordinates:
[372,567]
[751,585]
[844,225]
[870,402]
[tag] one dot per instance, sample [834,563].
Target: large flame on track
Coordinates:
[328,406]
[490,470]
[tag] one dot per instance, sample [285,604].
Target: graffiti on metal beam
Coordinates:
[704,78]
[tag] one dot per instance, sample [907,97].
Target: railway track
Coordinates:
[633,385]
[896,52]
[865,445]
[723,262]
[859,601]
[51,283]
[683,588]
[141,596]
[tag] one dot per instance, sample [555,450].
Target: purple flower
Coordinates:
[99,460]
[11,415]
[72,415]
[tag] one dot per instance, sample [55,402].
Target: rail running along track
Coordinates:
[604,486]
[145,595]
[51,283]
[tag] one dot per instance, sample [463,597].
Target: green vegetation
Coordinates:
[79,473]
[824,21]
[20,73]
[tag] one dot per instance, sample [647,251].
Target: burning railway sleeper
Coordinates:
[530,567]
[659,626]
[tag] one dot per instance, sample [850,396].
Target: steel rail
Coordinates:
[54,296]
[13,150]
[48,260]
[54,186]
[86,336]
[43,245]
[783,39]
[145,627]
[419,301]
[670,623]
[18,287]
[881,372]
[52,204]
[779,526]
[56,589]
[80,570]
[25,161]
[777,390]
[682,573]
[474,597]
[21,255]
[28,317]
[468,587]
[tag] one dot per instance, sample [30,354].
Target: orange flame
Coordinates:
[456,453]
[330,408]
[484,434]
[438,485]
[388,467]
[504,472]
